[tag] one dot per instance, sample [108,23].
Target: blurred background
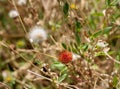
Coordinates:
[34,32]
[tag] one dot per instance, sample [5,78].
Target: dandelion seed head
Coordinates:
[101,43]
[75,56]
[104,12]
[13,14]
[21,2]
[37,35]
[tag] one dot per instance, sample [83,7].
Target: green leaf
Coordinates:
[77,26]
[98,33]
[64,45]
[108,2]
[92,23]
[103,53]
[115,81]
[77,37]
[58,65]
[114,2]
[63,71]
[106,30]
[66,8]
[73,48]
[100,54]
[85,47]
[95,67]
[117,66]
[61,78]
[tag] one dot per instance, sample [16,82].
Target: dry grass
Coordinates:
[87,28]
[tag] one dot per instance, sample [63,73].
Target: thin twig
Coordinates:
[3,84]
[19,17]
[17,52]
[33,50]
[22,83]
[95,83]
[5,45]
[39,75]
[111,58]
[62,84]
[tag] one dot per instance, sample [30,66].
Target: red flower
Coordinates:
[65,57]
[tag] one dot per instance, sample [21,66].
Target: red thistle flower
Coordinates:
[65,57]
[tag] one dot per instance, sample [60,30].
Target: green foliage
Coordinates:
[101,32]
[114,2]
[77,37]
[66,9]
[111,2]
[108,2]
[117,66]
[77,26]
[59,66]
[62,70]
[101,53]
[106,30]
[63,77]
[84,47]
[86,23]
[115,81]
[77,30]
[92,22]
[64,45]
[96,34]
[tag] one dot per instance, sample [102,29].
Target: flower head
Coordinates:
[65,57]
[73,6]
[13,14]
[21,2]
[75,56]
[104,12]
[102,44]
[37,35]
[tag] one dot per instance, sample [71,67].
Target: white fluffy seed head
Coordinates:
[37,35]
[104,12]
[75,56]
[13,14]
[102,44]
[21,2]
